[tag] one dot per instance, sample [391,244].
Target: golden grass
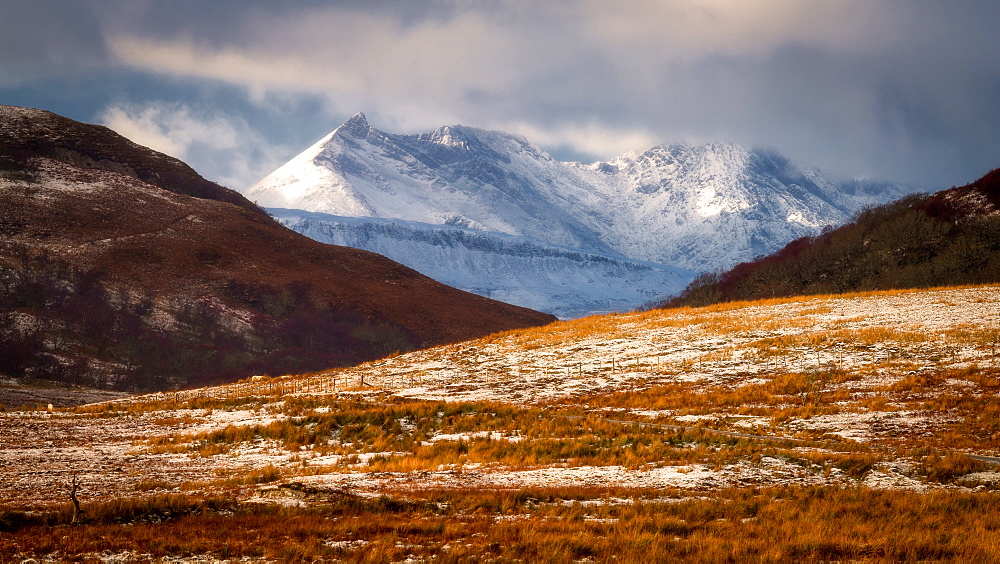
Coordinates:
[550,525]
[497,434]
[405,436]
[784,524]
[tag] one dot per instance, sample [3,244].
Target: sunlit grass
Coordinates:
[787,384]
[561,524]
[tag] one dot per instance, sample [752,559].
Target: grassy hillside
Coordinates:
[842,427]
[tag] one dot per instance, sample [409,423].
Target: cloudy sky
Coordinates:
[903,90]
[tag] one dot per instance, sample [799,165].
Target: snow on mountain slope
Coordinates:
[565,282]
[694,207]
[712,206]
[457,175]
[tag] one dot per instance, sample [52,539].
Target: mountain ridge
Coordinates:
[560,280]
[689,207]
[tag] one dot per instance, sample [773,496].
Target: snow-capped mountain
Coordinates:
[709,207]
[694,208]
[461,176]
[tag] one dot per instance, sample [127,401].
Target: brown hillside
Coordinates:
[30,133]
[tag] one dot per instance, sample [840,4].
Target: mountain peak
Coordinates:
[357,119]
[449,135]
[357,126]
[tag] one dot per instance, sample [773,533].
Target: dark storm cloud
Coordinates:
[42,39]
[907,90]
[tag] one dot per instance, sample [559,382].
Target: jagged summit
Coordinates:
[358,118]
[448,135]
[357,126]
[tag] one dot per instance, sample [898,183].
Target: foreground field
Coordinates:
[785,524]
[841,427]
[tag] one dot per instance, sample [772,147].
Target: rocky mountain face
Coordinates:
[682,208]
[708,207]
[948,238]
[122,267]
[514,269]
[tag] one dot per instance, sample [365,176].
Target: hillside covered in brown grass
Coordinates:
[122,267]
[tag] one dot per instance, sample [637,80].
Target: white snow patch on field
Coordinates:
[490,435]
[692,476]
[865,427]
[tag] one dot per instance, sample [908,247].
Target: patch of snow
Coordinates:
[490,435]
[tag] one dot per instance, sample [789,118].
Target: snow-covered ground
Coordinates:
[693,476]
[877,340]
[728,345]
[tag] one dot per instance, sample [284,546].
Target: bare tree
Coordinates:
[75,486]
